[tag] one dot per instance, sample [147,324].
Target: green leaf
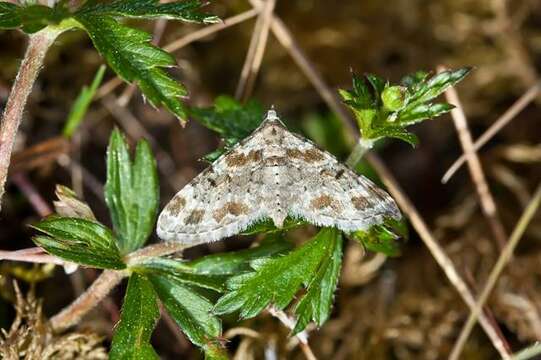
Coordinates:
[397,133]
[131,55]
[140,314]
[191,310]
[81,241]
[380,238]
[81,104]
[180,272]
[31,18]
[131,192]
[187,11]
[317,302]
[275,280]
[239,261]
[430,89]
[266,226]
[231,119]
[9,16]
[417,113]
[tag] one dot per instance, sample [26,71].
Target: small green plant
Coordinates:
[196,292]
[385,110]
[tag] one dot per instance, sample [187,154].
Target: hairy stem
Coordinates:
[13,113]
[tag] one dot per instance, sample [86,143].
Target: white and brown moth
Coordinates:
[272,173]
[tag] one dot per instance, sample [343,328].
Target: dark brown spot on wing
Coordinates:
[176,205]
[324,201]
[233,207]
[339,174]
[310,155]
[236,208]
[219,214]
[360,202]
[195,217]
[241,159]
[313,155]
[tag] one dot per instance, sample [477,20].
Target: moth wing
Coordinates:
[218,203]
[328,193]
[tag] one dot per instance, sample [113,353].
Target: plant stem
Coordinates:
[33,59]
[358,152]
[101,287]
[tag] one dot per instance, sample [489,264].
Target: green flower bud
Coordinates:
[393,97]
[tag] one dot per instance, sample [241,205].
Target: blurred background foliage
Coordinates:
[402,308]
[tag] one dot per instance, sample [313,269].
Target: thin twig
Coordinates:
[112,84]
[99,289]
[31,255]
[284,36]
[32,195]
[502,261]
[33,59]
[256,50]
[435,249]
[290,324]
[488,205]
[499,124]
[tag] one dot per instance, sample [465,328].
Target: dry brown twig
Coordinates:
[488,205]
[519,105]
[502,261]
[256,50]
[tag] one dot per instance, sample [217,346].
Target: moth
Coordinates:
[273,173]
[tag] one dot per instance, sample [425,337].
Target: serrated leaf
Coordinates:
[131,55]
[363,98]
[414,79]
[433,87]
[316,304]
[79,240]
[231,119]
[276,281]
[239,261]
[191,310]
[397,133]
[31,18]
[417,113]
[139,316]
[81,104]
[131,192]
[180,272]
[378,84]
[187,11]
[69,205]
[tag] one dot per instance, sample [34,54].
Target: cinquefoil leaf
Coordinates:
[81,241]
[140,314]
[131,192]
